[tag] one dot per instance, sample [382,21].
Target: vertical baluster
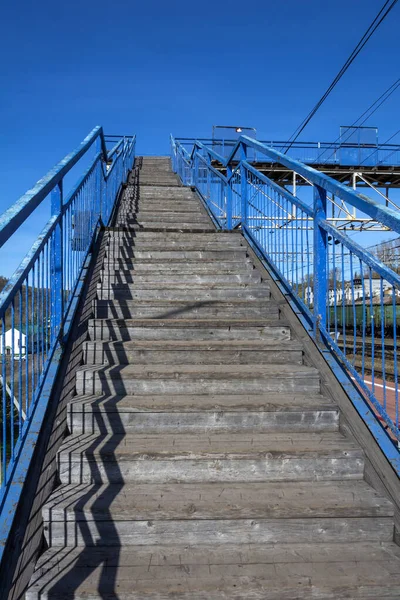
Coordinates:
[243,182]
[57,264]
[335,292]
[47,299]
[12,374]
[41,318]
[320,242]
[372,319]
[382,315]
[4,399]
[27,344]
[21,350]
[304,283]
[228,188]
[309,285]
[353,309]
[279,237]
[99,209]
[343,299]
[396,366]
[32,335]
[363,320]
[37,322]
[329,292]
[297,254]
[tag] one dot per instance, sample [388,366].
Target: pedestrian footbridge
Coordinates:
[199,411]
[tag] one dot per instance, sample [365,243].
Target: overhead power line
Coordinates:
[382,14]
[364,117]
[380,146]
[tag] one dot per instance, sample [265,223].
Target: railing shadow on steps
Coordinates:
[38,303]
[104,431]
[108,436]
[316,266]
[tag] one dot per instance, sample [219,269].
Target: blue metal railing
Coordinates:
[38,302]
[312,153]
[349,299]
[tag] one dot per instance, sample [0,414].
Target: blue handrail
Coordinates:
[13,217]
[349,298]
[38,302]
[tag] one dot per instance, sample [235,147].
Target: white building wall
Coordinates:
[18,338]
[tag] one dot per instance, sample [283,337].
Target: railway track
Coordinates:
[364,350]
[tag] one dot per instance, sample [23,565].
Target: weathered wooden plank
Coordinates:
[131,532]
[166,278]
[202,379]
[216,578]
[158,309]
[191,293]
[193,352]
[203,421]
[222,457]
[288,500]
[191,402]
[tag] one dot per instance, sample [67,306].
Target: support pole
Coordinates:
[229,198]
[243,181]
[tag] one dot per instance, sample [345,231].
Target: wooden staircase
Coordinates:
[203,461]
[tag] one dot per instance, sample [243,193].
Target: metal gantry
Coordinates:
[366,167]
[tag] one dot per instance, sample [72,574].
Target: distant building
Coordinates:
[19,343]
[370,287]
[362,289]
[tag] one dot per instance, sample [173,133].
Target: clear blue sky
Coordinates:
[157,67]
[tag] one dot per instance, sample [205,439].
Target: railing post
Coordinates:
[98,177]
[243,182]
[228,198]
[320,260]
[195,167]
[209,178]
[57,284]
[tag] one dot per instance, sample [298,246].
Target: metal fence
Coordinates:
[38,301]
[344,152]
[348,297]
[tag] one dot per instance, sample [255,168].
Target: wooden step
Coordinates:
[339,500]
[186,227]
[118,421]
[188,256]
[222,457]
[205,293]
[204,379]
[169,309]
[135,514]
[268,330]
[325,571]
[171,267]
[168,279]
[191,352]
[157,207]
[173,216]
[171,244]
[221,403]
[126,235]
